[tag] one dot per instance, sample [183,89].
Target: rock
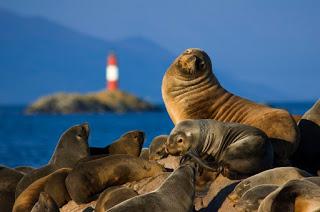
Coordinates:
[170,162]
[216,197]
[99,102]
[71,206]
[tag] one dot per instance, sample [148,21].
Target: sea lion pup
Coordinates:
[251,200]
[157,147]
[190,90]
[129,143]
[53,184]
[307,155]
[45,204]
[9,179]
[175,194]
[276,176]
[295,195]
[144,153]
[72,146]
[237,150]
[24,169]
[113,196]
[92,177]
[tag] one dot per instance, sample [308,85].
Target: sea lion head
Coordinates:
[72,146]
[134,135]
[191,64]
[157,148]
[184,135]
[45,204]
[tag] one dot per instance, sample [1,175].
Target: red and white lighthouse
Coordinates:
[112,73]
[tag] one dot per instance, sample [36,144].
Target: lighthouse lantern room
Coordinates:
[112,73]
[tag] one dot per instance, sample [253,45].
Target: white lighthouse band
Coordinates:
[112,73]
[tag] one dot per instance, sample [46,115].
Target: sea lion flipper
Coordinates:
[194,155]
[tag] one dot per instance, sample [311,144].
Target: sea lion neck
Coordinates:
[179,91]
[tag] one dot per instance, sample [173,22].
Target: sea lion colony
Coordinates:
[230,149]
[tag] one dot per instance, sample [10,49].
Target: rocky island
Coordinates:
[95,102]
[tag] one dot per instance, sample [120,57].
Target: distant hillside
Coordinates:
[39,57]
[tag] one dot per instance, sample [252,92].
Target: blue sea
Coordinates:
[31,139]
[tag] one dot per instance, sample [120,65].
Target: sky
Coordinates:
[269,42]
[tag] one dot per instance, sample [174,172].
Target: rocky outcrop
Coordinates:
[99,102]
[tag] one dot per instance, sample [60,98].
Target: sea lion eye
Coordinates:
[202,65]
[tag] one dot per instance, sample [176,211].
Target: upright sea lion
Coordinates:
[190,90]
[175,194]
[45,204]
[53,184]
[295,195]
[307,155]
[92,177]
[276,176]
[9,179]
[251,200]
[236,149]
[129,143]
[72,146]
[157,147]
[113,196]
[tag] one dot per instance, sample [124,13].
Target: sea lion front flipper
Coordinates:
[194,155]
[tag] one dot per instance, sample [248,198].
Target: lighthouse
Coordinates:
[112,73]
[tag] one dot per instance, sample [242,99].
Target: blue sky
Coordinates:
[270,42]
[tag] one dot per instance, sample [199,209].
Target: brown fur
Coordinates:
[191,91]
[52,184]
[113,196]
[175,194]
[157,147]
[295,195]
[72,146]
[9,179]
[129,143]
[90,178]
[276,176]
[45,204]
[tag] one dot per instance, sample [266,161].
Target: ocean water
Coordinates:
[31,139]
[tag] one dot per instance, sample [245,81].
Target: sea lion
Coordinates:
[24,169]
[237,150]
[129,143]
[251,200]
[295,195]
[158,147]
[53,184]
[72,146]
[9,179]
[190,90]
[92,177]
[113,196]
[315,180]
[307,155]
[144,153]
[175,194]
[276,176]
[45,204]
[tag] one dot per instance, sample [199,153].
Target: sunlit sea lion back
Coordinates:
[191,91]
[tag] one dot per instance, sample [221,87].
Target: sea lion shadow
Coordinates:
[218,200]
[308,150]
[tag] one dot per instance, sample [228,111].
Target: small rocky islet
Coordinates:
[123,176]
[95,102]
